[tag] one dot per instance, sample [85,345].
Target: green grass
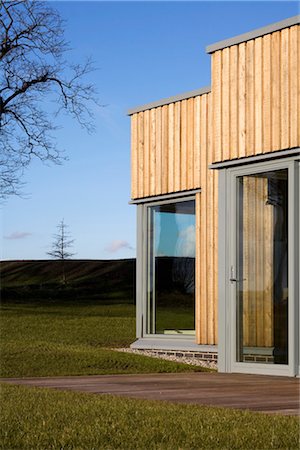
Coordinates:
[33,418]
[70,338]
[61,339]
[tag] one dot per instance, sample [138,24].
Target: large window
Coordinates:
[170,285]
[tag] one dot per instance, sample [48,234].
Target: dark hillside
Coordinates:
[86,279]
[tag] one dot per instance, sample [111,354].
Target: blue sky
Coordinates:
[144,51]
[174,235]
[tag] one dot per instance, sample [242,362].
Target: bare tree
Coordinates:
[60,248]
[33,70]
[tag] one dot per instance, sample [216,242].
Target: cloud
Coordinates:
[18,235]
[186,243]
[117,245]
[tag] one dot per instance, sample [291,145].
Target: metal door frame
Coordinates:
[227,258]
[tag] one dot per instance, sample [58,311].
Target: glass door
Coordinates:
[262,291]
[262,278]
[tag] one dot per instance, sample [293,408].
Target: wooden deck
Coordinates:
[265,394]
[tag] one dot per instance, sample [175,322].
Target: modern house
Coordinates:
[215,177]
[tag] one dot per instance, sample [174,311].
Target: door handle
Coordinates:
[235,280]
[232,274]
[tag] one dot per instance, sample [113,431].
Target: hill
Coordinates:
[89,279]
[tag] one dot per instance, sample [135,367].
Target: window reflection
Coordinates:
[171,269]
[262,294]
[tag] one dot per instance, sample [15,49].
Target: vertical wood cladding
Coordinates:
[171,152]
[255,95]
[166,145]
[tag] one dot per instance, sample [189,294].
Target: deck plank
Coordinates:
[266,394]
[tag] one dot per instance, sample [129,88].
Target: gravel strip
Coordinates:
[180,359]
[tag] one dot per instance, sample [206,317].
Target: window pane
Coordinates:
[262,287]
[171,269]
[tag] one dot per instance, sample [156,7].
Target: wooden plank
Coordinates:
[250,93]
[255,303]
[267,112]
[204,107]
[147,153]
[215,259]
[294,81]
[177,165]
[171,147]
[197,147]
[141,154]
[217,105]
[242,110]
[246,269]
[275,90]
[258,98]
[183,155]
[164,164]
[210,256]
[225,108]
[268,274]
[134,157]
[252,265]
[231,390]
[234,99]
[211,218]
[158,164]
[298,105]
[208,124]
[190,143]
[209,232]
[202,324]
[260,204]
[285,94]
[152,151]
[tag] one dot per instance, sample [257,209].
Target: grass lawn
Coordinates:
[33,418]
[72,338]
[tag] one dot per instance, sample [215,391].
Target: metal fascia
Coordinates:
[295,20]
[167,101]
[255,158]
[173,195]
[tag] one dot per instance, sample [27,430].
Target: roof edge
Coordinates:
[167,101]
[295,20]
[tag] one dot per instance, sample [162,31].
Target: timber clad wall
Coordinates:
[256,100]
[171,152]
[253,108]
[166,144]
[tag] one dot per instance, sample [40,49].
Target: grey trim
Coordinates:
[257,158]
[171,344]
[171,196]
[167,101]
[292,265]
[295,20]
[141,289]
[166,337]
[139,272]
[264,351]
[289,369]
[223,322]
